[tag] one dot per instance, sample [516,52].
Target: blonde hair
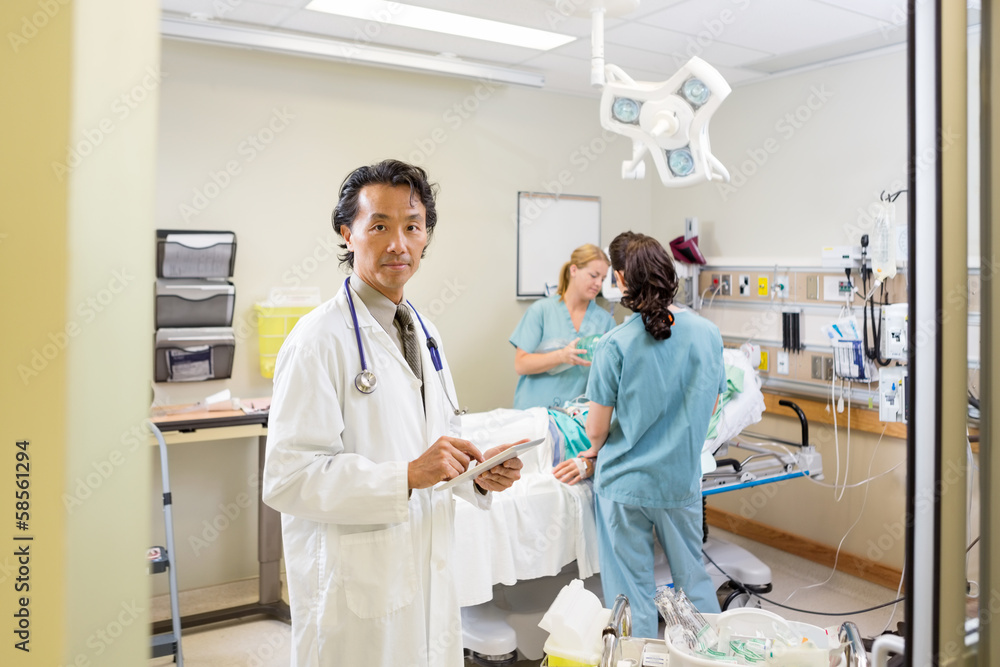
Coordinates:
[582,256]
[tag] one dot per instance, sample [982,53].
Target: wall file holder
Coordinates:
[194,354]
[194,302]
[186,254]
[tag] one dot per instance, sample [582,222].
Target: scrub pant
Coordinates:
[625,546]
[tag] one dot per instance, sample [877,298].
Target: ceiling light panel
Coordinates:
[367,33]
[542,14]
[394,13]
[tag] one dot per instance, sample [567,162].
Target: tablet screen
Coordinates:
[475,470]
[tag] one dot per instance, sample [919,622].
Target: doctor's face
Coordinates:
[387,237]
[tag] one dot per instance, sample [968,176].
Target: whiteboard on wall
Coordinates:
[549,229]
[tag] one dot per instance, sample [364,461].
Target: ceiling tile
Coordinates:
[188,7]
[680,47]
[766,25]
[891,11]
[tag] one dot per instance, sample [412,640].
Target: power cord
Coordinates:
[739,584]
[861,513]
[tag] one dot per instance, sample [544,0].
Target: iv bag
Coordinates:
[883,248]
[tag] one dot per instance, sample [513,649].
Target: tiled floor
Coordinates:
[266,643]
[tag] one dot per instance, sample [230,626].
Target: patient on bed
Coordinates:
[739,406]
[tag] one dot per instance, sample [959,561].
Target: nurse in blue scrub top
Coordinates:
[546,357]
[652,390]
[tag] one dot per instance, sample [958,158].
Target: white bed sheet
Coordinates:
[540,525]
[535,528]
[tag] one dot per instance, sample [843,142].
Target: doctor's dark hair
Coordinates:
[652,284]
[386,172]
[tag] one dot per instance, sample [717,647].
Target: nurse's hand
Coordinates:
[445,459]
[571,354]
[574,470]
[501,477]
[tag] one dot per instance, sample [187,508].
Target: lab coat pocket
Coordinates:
[379,574]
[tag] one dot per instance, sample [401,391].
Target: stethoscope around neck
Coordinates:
[366,382]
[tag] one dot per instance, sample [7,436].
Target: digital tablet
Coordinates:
[479,468]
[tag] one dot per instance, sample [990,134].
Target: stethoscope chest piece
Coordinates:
[366,382]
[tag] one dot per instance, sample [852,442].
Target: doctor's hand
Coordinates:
[571,354]
[501,477]
[445,459]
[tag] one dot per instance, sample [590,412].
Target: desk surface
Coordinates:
[190,421]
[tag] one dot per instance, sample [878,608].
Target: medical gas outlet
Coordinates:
[722,284]
[780,287]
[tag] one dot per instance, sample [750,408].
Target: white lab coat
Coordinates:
[368,568]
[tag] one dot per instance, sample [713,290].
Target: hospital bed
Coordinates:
[541,533]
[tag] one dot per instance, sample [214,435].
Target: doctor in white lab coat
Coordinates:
[367,542]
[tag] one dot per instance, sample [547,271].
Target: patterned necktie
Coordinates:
[411,352]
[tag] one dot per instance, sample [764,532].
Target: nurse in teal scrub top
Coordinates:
[546,357]
[652,390]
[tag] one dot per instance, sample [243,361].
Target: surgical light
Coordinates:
[625,110]
[680,162]
[671,124]
[696,92]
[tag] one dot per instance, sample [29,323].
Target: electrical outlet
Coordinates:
[764,366]
[827,368]
[744,285]
[836,288]
[783,362]
[817,367]
[726,285]
[716,282]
